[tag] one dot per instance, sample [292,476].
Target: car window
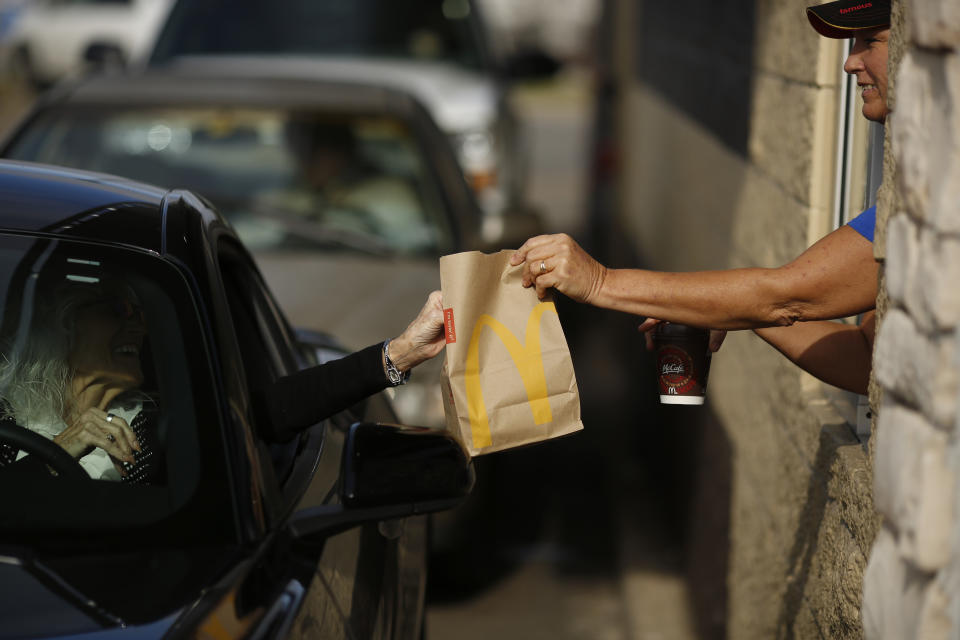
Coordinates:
[98,345]
[267,346]
[284,179]
[411,29]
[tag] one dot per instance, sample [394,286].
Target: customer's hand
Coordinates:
[558,261]
[97,428]
[423,338]
[646,327]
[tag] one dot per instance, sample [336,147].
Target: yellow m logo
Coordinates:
[529,363]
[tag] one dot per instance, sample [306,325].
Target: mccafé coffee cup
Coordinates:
[683,362]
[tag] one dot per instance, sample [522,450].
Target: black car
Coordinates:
[236,532]
[237,131]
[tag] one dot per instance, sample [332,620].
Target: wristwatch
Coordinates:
[393,374]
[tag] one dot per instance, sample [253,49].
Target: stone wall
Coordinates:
[728,133]
[912,585]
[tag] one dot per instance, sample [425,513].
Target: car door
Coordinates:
[357,581]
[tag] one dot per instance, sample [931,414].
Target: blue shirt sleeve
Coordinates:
[865,223]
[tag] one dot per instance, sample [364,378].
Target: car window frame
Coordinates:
[290,464]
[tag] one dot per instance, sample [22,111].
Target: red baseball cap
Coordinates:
[839,19]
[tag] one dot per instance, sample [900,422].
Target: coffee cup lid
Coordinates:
[672,329]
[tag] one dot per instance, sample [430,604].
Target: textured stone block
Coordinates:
[945,181]
[784,152]
[770,227]
[936,23]
[785,21]
[913,485]
[937,278]
[845,535]
[834,590]
[918,368]
[902,248]
[899,355]
[892,592]
[935,616]
[927,166]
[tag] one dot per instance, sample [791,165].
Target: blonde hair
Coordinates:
[35,373]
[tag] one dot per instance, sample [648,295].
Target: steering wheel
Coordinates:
[48,451]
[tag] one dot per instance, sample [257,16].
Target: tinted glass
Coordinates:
[411,29]
[286,180]
[94,351]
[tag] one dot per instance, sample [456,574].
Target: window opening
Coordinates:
[858,176]
[859,154]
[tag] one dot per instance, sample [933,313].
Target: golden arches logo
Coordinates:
[529,362]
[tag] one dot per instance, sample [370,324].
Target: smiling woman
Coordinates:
[76,377]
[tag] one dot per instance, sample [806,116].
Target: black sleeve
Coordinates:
[302,399]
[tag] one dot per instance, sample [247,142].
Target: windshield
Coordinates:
[284,179]
[443,30]
[93,359]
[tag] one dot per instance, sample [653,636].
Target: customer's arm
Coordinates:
[837,353]
[304,398]
[834,278]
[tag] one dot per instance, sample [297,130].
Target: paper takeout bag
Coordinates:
[508,378]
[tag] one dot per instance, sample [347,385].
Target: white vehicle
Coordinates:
[51,39]
[437,50]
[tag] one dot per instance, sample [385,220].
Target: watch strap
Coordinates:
[394,377]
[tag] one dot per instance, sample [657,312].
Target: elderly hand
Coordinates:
[558,261]
[423,338]
[646,327]
[93,429]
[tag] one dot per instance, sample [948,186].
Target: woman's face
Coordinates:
[108,338]
[868,62]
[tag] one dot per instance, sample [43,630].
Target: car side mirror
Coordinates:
[391,471]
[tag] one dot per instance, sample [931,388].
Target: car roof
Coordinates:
[251,82]
[40,198]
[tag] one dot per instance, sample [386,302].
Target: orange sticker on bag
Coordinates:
[449,329]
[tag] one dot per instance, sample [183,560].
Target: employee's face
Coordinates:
[868,62]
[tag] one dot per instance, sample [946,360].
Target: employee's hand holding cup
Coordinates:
[683,356]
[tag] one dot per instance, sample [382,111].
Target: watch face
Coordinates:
[394,376]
